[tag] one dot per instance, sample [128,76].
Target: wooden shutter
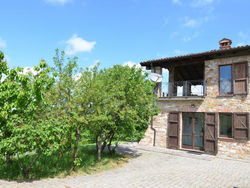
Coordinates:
[241,126]
[173,130]
[240,79]
[210,137]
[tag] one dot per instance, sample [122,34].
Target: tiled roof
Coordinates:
[207,55]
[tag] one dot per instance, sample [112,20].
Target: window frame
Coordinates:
[232,127]
[232,78]
[232,87]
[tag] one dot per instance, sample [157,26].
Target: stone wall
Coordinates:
[160,127]
[211,103]
[240,150]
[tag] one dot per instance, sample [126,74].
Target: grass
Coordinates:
[58,166]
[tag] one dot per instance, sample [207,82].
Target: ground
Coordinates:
[153,167]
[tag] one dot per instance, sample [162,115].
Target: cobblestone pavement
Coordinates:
[158,168]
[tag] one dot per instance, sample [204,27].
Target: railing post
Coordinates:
[169,89]
[185,88]
[204,87]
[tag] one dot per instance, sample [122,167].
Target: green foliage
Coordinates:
[24,125]
[124,102]
[61,97]
[3,66]
[50,112]
[132,101]
[115,102]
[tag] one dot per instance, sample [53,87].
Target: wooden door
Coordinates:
[198,131]
[210,138]
[187,130]
[173,130]
[193,130]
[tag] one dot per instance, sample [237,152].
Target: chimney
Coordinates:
[225,43]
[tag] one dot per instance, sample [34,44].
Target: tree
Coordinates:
[133,99]
[90,99]
[121,101]
[43,113]
[25,126]
[63,104]
[4,133]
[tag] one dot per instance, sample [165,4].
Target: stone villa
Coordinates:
[206,103]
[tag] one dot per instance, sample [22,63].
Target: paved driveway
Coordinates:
[158,168]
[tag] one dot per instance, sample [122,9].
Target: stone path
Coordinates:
[153,167]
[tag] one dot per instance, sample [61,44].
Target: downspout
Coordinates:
[152,120]
[152,127]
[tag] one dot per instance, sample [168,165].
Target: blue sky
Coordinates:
[118,31]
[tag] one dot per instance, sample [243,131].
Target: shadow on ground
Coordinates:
[128,152]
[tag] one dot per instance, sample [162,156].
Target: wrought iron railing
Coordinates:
[186,88]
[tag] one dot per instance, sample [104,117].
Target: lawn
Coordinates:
[59,166]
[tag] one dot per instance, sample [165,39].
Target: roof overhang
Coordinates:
[197,57]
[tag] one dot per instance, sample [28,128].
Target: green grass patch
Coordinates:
[59,165]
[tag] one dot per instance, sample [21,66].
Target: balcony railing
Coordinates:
[187,88]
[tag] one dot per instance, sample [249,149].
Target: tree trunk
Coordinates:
[19,162]
[8,160]
[96,143]
[106,140]
[76,148]
[8,155]
[25,170]
[111,151]
[99,146]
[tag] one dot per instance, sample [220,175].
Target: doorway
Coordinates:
[193,130]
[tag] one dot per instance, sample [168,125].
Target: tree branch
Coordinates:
[32,163]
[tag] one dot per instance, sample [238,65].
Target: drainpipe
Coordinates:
[152,120]
[152,127]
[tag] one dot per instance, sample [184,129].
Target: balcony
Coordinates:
[183,90]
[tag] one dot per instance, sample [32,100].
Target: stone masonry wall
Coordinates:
[233,149]
[211,103]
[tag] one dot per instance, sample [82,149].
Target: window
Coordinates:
[234,125]
[226,121]
[226,79]
[233,79]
